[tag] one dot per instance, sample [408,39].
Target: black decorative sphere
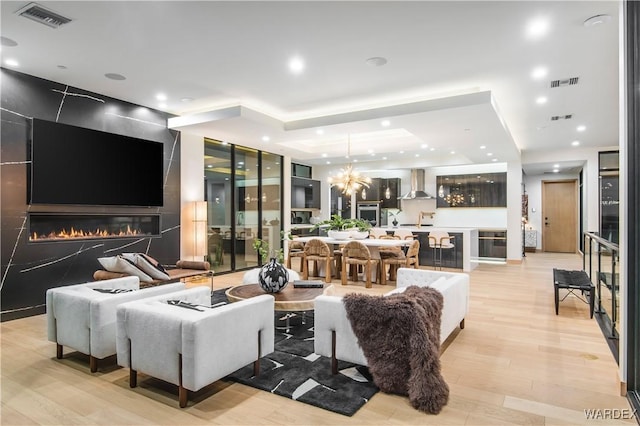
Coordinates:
[273,277]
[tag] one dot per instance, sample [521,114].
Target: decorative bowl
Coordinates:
[339,235]
[359,235]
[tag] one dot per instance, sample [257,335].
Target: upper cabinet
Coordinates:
[382,190]
[305,193]
[475,190]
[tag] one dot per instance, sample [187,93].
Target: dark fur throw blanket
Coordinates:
[400,337]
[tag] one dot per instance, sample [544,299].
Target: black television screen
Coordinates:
[74,165]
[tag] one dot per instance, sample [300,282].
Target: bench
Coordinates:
[572,281]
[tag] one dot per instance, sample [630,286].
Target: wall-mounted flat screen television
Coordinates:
[74,165]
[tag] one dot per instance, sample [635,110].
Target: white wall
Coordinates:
[191,189]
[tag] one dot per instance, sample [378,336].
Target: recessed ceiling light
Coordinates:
[384,158]
[268,168]
[114,76]
[225,143]
[324,155]
[596,20]
[296,65]
[266,139]
[453,152]
[555,170]
[319,132]
[541,100]
[424,146]
[6,41]
[385,123]
[355,161]
[495,159]
[489,154]
[417,155]
[240,163]
[555,166]
[483,147]
[581,128]
[186,99]
[537,28]
[370,151]
[328,162]
[209,166]
[432,149]
[11,62]
[401,152]
[376,61]
[161,97]
[575,143]
[538,73]
[226,178]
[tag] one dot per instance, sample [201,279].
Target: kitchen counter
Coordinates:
[469,241]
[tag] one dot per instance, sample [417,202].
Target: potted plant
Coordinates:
[337,227]
[360,229]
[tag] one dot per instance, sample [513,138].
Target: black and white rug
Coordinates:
[293,370]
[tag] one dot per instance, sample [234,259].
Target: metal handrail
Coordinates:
[614,249]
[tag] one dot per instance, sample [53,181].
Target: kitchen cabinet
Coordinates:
[492,243]
[389,193]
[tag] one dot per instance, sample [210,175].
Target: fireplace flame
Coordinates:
[82,234]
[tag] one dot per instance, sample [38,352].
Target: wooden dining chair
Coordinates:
[296,249]
[316,250]
[357,254]
[410,260]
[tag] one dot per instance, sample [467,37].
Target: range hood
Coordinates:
[417,187]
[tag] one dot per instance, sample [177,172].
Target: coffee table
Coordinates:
[290,299]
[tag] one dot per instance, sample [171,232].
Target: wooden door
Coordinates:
[559,216]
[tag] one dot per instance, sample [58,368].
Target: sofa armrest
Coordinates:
[330,315]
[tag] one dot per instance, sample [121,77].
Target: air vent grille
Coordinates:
[44,16]
[572,81]
[561,117]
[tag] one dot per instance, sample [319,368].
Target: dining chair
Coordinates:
[296,249]
[403,234]
[316,250]
[439,241]
[410,260]
[357,254]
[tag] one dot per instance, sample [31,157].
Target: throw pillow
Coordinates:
[150,266]
[120,264]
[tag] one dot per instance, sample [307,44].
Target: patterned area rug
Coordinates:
[293,370]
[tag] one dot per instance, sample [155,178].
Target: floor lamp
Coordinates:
[199,229]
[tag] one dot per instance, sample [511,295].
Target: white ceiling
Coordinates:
[458,74]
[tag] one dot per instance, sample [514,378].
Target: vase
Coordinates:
[395,223]
[273,276]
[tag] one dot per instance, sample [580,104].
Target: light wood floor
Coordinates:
[516,362]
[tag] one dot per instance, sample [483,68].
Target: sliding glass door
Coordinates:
[243,189]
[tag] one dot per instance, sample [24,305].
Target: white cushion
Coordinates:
[123,265]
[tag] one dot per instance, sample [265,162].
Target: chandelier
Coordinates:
[349,180]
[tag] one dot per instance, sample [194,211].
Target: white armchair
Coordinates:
[193,348]
[84,319]
[334,336]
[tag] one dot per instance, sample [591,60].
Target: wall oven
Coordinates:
[369,212]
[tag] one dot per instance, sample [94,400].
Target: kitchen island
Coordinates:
[466,246]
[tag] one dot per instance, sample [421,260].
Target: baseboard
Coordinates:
[514,261]
[623,388]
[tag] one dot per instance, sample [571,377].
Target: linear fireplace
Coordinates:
[47,227]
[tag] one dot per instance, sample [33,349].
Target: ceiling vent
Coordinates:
[564,82]
[37,13]
[561,117]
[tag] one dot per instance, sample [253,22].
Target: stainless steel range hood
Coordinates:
[417,187]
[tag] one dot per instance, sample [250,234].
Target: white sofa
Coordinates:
[191,348]
[84,319]
[334,337]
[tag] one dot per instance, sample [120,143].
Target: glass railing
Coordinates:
[601,261]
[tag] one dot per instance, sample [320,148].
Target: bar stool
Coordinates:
[438,241]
